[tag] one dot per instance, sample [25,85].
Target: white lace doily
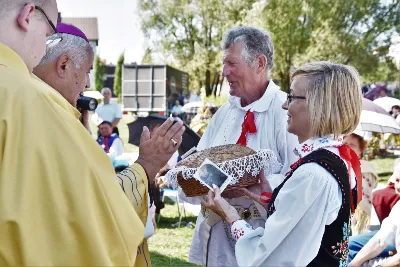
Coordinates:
[237,168]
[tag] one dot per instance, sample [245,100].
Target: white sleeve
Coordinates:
[292,236]
[286,143]
[117,148]
[118,111]
[387,234]
[149,230]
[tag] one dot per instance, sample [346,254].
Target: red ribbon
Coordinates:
[352,161]
[248,126]
[106,144]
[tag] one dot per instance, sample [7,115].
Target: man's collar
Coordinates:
[262,104]
[60,99]
[9,58]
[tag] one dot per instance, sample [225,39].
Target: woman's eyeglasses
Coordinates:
[291,97]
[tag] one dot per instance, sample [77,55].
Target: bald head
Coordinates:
[24,28]
[10,5]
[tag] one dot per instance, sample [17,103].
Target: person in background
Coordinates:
[382,92]
[195,97]
[110,142]
[383,201]
[108,111]
[361,218]
[67,64]
[388,236]
[395,111]
[187,98]
[177,109]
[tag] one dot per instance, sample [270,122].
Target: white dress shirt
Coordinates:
[107,112]
[292,235]
[225,128]
[117,148]
[389,234]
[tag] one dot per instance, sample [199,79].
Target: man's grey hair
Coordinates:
[105,89]
[75,47]
[255,43]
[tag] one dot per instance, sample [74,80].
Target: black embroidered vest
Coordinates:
[334,246]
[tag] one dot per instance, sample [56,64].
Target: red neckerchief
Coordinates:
[248,125]
[106,144]
[352,160]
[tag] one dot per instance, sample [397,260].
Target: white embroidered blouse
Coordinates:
[307,202]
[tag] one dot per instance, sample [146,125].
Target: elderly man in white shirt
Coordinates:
[256,101]
[389,234]
[108,111]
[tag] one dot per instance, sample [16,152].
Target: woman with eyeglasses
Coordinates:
[309,213]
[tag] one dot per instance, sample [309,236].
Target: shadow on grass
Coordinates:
[159,260]
[170,216]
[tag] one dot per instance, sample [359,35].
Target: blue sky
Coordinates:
[119,26]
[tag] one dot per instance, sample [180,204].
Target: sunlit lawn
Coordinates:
[384,168]
[170,245]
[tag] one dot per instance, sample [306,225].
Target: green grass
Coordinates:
[383,167]
[170,245]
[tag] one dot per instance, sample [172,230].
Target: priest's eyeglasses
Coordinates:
[48,20]
[291,97]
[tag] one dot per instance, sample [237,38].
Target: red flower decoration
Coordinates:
[307,148]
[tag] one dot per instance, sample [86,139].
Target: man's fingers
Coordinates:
[179,133]
[145,135]
[175,130]
[162,130]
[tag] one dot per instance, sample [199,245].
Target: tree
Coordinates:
[118,76]
[99,71]
[189,33]
[147,58]
[350,32]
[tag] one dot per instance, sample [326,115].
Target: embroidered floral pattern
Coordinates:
[323,140]
[307,148]
[341,249]
[311,145]
[366,195]
[240,229]
[237,233]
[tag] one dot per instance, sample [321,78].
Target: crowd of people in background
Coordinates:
[376,90]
